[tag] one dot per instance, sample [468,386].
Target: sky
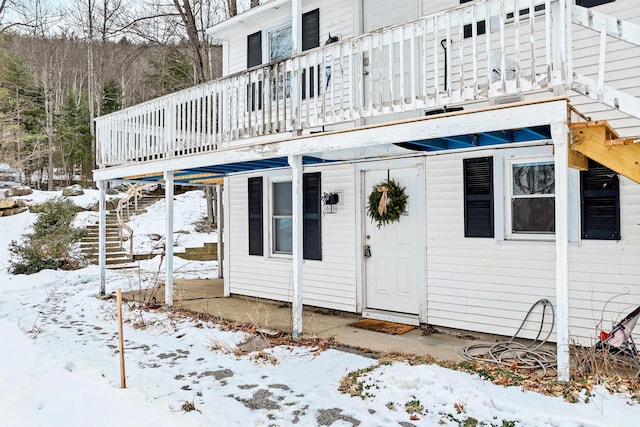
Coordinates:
[59,361]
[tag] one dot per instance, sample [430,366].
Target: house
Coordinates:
[509,131]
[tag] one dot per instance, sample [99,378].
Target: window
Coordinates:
[532,198]
[600,203]
[311,29]
[280,43]
[478,197]
[481,26]
[254,49]
[255,216]
[314,82]
[525,11]
[282,220]
[592,3]
[281,217]
[254,96]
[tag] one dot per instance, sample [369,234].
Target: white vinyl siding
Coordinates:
[488,285]
[478,284]
[336,17]
[621,65]
[604,285]
[330,283]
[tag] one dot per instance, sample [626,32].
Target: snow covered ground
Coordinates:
[59,364]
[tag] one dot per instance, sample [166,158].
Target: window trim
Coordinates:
[272,217]
[509,234]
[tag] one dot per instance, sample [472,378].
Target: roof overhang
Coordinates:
[249,15]
[483,127]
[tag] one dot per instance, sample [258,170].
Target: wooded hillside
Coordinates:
[62,66]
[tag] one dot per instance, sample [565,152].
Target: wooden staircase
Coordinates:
[116,256]
[600,142]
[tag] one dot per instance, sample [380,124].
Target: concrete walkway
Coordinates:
[206,296]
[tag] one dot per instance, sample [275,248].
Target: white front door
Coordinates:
[394,271]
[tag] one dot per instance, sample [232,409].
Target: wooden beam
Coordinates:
[218,180]
[600,142]
[577,160]
[142,176]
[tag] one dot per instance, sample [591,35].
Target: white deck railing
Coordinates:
[430,62]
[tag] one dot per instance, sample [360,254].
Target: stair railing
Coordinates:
[135,192]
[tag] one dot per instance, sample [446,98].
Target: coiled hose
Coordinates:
[515,354]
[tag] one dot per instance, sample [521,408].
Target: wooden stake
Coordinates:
[123,379]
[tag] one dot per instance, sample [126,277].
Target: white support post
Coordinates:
[296,26]
[296,47]
[296,199]
[558,43]
[168,253]
[102,236]
[559,132]
[225,235]
[220,222]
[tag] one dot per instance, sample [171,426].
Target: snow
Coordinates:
[59,362]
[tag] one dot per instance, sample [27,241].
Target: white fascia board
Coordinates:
[463,123]
[250,15]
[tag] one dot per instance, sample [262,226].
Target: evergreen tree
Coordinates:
[111,97]
[74,137]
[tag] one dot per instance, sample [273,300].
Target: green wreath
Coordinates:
[393,206]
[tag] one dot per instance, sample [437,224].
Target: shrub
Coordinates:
[51,244]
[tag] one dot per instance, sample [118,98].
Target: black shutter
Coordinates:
[254,49]
[592,3]
[311,29]
[312,216]
[600,203]
[478,197]
[255,216]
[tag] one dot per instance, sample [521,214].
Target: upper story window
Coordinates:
[280,43]
[531,192]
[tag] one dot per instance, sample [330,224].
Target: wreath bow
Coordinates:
[387,202]
[382,205]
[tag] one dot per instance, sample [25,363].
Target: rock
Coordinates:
[22,190]
[182,232]
[8,203]
[155,237]
[110,205]
[73,190]
[13,211]
[111,191]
